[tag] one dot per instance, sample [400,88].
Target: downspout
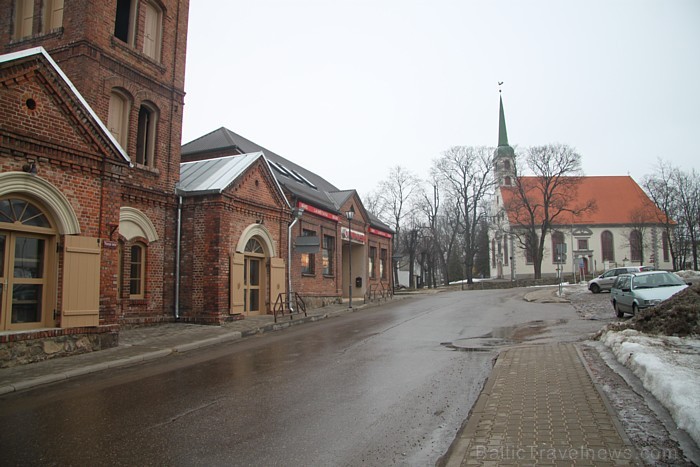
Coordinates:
[177,257]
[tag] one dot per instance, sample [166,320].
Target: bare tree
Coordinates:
[396,194]
[662,191]
[546,198]
[688,197]
[468,172]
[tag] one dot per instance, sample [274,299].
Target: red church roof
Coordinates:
[618,200]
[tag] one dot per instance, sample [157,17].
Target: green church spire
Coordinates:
[502,133]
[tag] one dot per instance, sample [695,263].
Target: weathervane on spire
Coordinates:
[499,86]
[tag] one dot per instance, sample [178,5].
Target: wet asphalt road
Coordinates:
[383,386]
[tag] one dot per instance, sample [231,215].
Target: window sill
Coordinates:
[308,274]
[143,58]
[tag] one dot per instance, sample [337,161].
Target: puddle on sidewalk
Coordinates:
[502,336]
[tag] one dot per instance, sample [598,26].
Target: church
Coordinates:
[623,226]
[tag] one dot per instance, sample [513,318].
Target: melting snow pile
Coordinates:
[661,345]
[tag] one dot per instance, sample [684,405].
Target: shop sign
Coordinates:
[380,233]
[357,237]
[317,211]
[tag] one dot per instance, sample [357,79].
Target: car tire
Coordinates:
[595,288]
[618,312]
[635,309]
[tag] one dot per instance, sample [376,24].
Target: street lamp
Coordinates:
[350,213]
[297,213]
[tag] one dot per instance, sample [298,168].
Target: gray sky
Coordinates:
[351,88]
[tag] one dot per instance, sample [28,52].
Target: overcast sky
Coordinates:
[350,88]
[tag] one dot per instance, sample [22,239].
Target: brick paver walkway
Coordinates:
[540,407]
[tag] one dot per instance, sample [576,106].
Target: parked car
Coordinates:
[638,290]
[605,280]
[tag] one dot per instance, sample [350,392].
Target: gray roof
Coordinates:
[215,175]
[302,184]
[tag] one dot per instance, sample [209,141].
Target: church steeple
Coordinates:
[504,156]
[502,133]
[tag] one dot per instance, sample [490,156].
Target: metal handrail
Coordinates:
[282,304]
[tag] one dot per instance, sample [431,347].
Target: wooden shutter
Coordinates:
[151,31]
[236,281]
[25,18]
[56,14]
[81,282]
[115,119]
[277,279]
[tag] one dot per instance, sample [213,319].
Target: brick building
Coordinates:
[321,254]
[101,225]
[91,98]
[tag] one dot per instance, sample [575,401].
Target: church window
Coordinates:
[665,246]
[607,246]
[508,181]
[636,245]
[557,239]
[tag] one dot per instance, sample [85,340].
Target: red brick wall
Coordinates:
[211,228]
[96,62]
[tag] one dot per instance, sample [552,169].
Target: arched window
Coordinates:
[505,251]
[636,245]
[146,137]
[607,246]
[557,239]
[507,181]
[493,253]
[118,118]
[665,246]
[530,248]
[137,271]
[254,246]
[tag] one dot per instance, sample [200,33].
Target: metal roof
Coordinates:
[215,175]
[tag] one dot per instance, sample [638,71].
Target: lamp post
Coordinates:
[297,213]
[350,213]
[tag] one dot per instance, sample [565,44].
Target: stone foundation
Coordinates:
[19,348]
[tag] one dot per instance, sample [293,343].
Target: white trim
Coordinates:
[41,51]
[51,197]
[260,231]
[134,223]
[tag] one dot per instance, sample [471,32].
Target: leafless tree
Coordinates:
[547,197]
[662,191]
[468,173]
[688,198]
[396,195]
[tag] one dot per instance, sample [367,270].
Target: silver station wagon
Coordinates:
[635,291]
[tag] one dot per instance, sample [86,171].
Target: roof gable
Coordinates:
[33,83]
[215,176]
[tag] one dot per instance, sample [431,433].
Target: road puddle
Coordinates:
[502,336]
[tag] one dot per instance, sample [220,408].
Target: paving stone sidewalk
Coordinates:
[540,407]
